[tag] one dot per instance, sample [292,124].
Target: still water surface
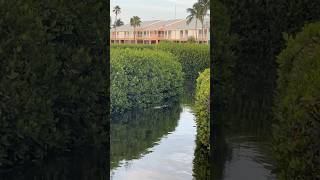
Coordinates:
[153,144]
[244,145]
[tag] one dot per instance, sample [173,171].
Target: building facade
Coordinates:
[153,32]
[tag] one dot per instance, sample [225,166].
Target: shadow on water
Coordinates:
[134,132]
[244,144]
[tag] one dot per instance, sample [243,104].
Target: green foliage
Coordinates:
[52,77]
[297,107]
[133,46]
[223,57]
[191,39]
[194,58]
[202,108]
[142,79]
[259,26]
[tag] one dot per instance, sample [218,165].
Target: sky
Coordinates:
[151,9]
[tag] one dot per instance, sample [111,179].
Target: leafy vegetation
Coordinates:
[201,168]
[194,58]
[260,29]
[202,107]
[297,108]
[135,22]
[52,77]
[223,58]
[133,46]
[141,79]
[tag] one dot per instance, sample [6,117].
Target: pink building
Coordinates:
[153,32]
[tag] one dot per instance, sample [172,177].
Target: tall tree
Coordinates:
[204,7]
[118,23]
[135,22]
[194,14]
[116,11]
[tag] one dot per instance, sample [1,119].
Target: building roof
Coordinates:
[167,24]
[192,25]
[128,27]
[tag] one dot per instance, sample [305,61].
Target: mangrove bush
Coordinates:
[142,79]
[194,58]
[53,85]
[202,107]
[297,107]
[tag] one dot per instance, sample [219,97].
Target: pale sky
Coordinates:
[151,9]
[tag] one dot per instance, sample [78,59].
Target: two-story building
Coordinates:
[153,32]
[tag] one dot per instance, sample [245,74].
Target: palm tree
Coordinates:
[134,22]
[118,23]
[116,11]
[194,13]
[204,7]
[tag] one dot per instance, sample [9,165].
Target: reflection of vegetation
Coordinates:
[201,162]
[298,107]
[132,133]
[221,153]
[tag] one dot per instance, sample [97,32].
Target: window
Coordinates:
[186,33]
[181,34]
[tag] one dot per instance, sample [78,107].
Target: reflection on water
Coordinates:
[201,163]
[243,145]
[153,144]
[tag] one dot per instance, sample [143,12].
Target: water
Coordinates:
[153,144]
[248,161]
[244,146]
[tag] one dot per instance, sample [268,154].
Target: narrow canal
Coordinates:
[153,144]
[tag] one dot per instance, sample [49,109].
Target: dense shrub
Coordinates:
[297,107]
[143,78]
[52,77]
[202,107]
[194,58]
[223,58]
[134,46]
